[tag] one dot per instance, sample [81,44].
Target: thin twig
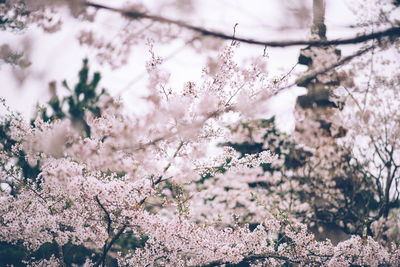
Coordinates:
[265,51]
[354,99]
[165,93]
[369,79]
[234,33]
[287,74]
[234,94]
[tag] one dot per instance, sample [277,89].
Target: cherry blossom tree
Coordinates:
[87,183]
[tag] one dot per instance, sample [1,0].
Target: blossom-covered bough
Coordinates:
[91,185]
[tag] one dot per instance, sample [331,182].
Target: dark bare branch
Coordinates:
[134,14]
[108,246]
[107,214]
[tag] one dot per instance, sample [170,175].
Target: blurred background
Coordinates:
[56,53]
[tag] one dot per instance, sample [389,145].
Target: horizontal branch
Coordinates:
[134,14]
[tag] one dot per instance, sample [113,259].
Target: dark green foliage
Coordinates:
[83,97]
[9,24]
[129,241]
[246,147]
[73,106]
[29,173]
[204,177]
[6,141]
[14,23]
[11,254]
[16,254]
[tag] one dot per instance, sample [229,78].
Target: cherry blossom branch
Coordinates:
[27,185]
[135,14]
[308,77]
[174,156]
[234,94]
[171,55]
[312,75]
[194,125]
[159,179]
